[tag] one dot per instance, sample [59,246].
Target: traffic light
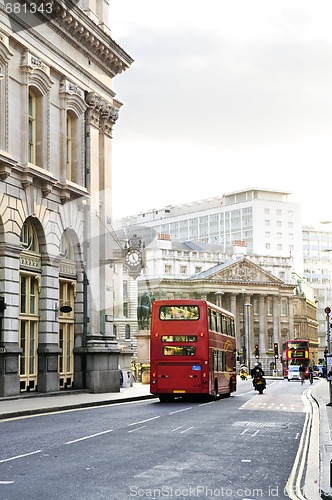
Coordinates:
[257,351]
[276,350]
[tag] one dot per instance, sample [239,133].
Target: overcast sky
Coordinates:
[222,96]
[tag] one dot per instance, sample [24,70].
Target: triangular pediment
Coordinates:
[241,271]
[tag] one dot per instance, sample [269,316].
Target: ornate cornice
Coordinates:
[75,24]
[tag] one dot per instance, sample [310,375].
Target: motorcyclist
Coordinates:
[257,370]
[243,373]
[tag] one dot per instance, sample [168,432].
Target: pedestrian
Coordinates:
[329,374]
[302,373]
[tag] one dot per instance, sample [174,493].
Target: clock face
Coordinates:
[133,258]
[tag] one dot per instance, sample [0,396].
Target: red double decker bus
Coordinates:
[192,349]
[295,352]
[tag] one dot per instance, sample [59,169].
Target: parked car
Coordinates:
[293,373]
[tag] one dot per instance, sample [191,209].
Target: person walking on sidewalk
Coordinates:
[329,374]
[302,373]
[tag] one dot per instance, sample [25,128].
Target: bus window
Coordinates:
[179,312]
[179,350]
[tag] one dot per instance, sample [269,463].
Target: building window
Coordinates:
[73,155]
[28,331]
[270,342]
[29,239]
[284,308]
[183,269]
[32,125]
[255,308]
[69,147]
[127,332]
[198,269]
[168,269]
[269,307]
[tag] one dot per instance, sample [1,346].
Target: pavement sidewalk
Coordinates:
[32,404]
[321,393]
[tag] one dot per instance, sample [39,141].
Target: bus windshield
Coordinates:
[298,345]
[179,312]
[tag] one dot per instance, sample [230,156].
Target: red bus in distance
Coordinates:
[192,349]
[295,352]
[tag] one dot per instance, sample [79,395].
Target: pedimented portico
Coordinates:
[233,284]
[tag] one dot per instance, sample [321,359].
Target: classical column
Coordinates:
[262,325]
[101,351]
[291,317]
[248,324]
[233,298]
[48,336]
[276,319]
[9,341]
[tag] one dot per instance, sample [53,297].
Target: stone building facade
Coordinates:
[57,116]
[268,309]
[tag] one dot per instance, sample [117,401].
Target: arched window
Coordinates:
[66,247]
[127,332]
[29,238]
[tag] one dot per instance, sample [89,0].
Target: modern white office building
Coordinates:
[264,219]
[264,222]
[317,258]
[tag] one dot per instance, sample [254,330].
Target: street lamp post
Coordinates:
[247,332]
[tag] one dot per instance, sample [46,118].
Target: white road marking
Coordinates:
[20,456]
[178,411]
[89,437]
[143,421]
[186,430]
[138,428]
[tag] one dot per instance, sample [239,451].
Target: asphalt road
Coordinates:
[242,447]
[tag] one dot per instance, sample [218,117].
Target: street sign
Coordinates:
[327,310]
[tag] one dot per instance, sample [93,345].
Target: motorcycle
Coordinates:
[259,383]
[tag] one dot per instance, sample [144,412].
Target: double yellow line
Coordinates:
[305,454]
